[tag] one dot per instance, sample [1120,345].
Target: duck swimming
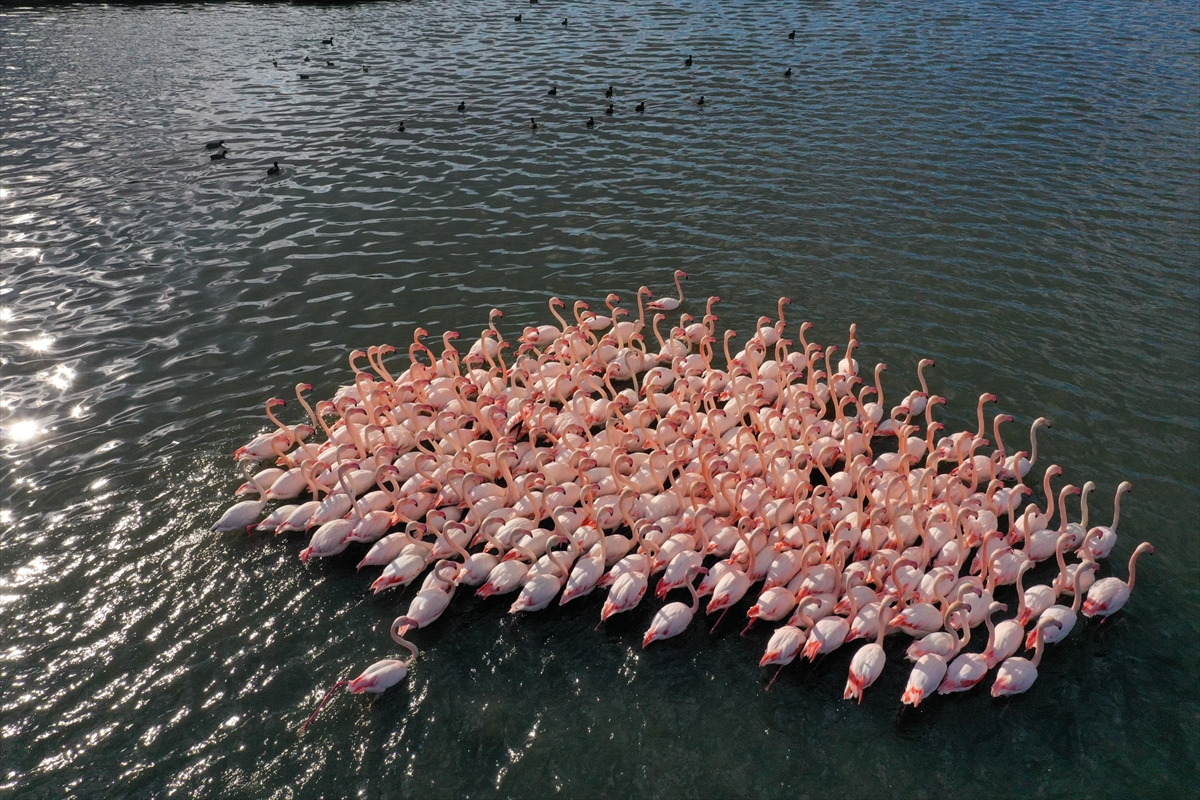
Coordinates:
[274,169]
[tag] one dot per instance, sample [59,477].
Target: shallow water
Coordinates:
[1009,188]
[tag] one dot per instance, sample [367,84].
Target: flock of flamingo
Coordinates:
[785,470]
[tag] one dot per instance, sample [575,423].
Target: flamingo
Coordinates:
[375,679]
[1109,595]
[673,618]
[930,669]
[867,664]
[541,589]
[243,515]
[968,669]
[670,303]
[1065,616]
[1017,674]
[1104,538]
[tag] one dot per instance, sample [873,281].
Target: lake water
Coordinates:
[1009,188]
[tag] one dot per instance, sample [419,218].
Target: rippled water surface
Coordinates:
[1010,188]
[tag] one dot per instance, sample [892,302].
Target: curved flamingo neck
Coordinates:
[1141,548]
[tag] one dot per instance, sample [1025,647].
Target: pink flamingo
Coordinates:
[968,669]
[1109,595]
[867,664]
[930,669]
[1017,674]
[670,303]
[673,618]
[376,679]
[1066,616]
[1104,538]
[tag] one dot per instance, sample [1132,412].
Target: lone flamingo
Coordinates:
[376,679]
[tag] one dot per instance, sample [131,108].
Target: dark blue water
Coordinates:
[1009,188]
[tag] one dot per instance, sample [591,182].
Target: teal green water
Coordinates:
[1009,188]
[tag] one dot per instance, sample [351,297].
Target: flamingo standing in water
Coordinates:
[1109,595]
[1065,616]
[243,515]
[673,618]
[930,669]
[670,303]
[968,669]
[1105,537]
[1017,674]
[429,603]
[867,664]
[376,679]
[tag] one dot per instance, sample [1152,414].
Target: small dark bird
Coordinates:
[553,91]
[462,107]
[700,102]
[608,92]
[401,128]
[274,63]
[564,22]
[591,123]
[688,63]
[517,17]
[215,145]
[306,59]
[217,156]
[788,74]
[533,2]
[327,41]
[641,107]
[792,35]
[274,169]
[364,67]
[303,77]
[609,110]
[329,63]
[532,124]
